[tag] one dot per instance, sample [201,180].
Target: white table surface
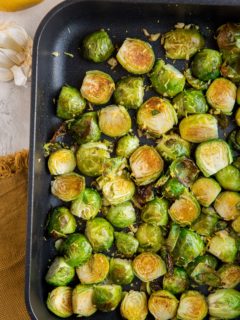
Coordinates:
[15,101]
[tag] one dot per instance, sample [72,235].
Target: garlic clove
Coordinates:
[20,79]
[14,56]
[7,42]
[5,62]
[6,74]
[18,34]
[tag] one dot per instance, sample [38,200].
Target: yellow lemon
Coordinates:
[15,5]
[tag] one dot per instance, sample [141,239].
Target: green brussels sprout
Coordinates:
[76,250]
[229,275]
[121,271]
[166,79]
[91,157]
[228,38]
[224,304]
[70,103]
[149,237]
[61,161]
[172,146]
[173,236]
[68,187]
[87,205]
[97,87]
[234,139]
[114,121]
[121,215]
[194,82]
[163,305]
[236,224]
[59,273]
[221,95]
[192,306]
[146,165]
[206,64]
[156,116]
[100,234]
[129,92]
[107,297]
[182,43]
[82,301]
[173,189]
[199,128]
[212,156]
[237,114]
[97,46]
[148,266]
[229,178]
[205,224]
[223,246]
[185,210]
[127,145]
[95,270]
[136,56]
[156,212]
[205,190]
[185,170]
[231,68]
[126,244]
[59,301]
[134,306]
[61,222]
[227,205]
[111,168]
[177,282]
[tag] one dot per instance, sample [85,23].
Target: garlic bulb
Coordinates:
[15,53]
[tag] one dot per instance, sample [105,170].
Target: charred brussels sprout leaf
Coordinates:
[149,237]
[192,305]
[173,189]
[185,170]
[229,275]
[163,305]
[82,301]
[107,297]
[127,145]
[60,273]
[229,178]
[155,212]
[121,215]
[61,222]
[177,282]
[134,306]
[205,190]
[227,205]
[61,161]
[59,301]
[121,271]
[194,82]
[126,244]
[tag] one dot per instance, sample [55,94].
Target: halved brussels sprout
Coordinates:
[237,114]
[156,212]
[163,305]
[107,297]
[114,121]
[194,82]
[173,236]
[97,87]
[173,189]
[223,246]
[205,224]
[177,282]
[156,116]
[228,38]
[136,56]
[146,165]
[149,266]
[166,79]
[76,249]
[127,145]
[61,161]
[59,273]
[68,187]
[234,139]
[59,301]
[95,270]
[121,271]
[97,46]
[231,67]
[70,103]
[129,92]
[126,243]
[229,275]
[192,306]
[182,43]
[229,178]
[87,205]
[206,191]
[227,205]
[185,170]
[149,237]
[61,222]
[212,156]
[100,234]
[134,306]
[224,304]
[221,95]
[82,301]
[236,225]
[121,215]
[206,64]
[198,128]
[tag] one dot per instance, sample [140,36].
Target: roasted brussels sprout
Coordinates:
[234,139]
[68,187]
[194,82]
[97,87]
[173,189]
[61,222]
[227,205]
[156,116]
[229,275]
[59,273]
[129,92]
[121,271]
[163,305]
[100,234]
[149,237]
[107,297]
[212,156]
[224,304]
[121,215]
[127,145]
[231,68]
[177,282]
[134,306]
[182,43]
[229,178]
[82,301]
[236,224]
[192,306]
[206,64]
[90,273]
[70,103]
[237,114]
[205,224]
[206,191]
[156,212]
[61,161]
[185,170]
[59,301]
[126,244]
[97,46]
[136,56]
[228,38]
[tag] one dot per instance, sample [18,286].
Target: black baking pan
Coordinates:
[61,31]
